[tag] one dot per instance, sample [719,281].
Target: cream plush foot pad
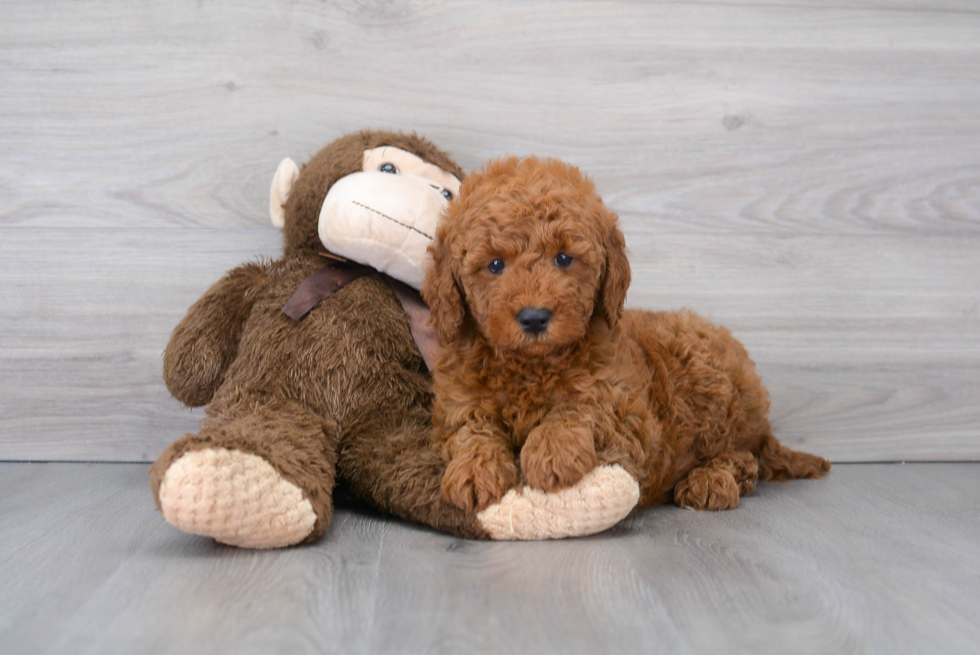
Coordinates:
[236,498]
[599,501]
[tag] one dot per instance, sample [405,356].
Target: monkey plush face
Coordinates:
[383,213]
[387,212]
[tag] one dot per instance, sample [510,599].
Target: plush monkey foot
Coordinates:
[236,498]
[597,502]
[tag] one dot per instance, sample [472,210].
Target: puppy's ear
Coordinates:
[616,279]
[440,287]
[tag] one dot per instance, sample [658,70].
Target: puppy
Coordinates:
[545,376]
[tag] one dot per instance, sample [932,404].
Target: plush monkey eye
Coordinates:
[562,260]
[447,194]
[388,168]
[496,266]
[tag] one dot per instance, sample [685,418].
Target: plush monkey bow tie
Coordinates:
[333,277]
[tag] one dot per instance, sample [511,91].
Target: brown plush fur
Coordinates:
[343,390]
[670,397]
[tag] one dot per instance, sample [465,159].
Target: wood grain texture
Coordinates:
[864,360]
[804,172]
[842,117]
[84,335]
[874,559]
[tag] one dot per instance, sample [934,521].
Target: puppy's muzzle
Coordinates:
[534,320]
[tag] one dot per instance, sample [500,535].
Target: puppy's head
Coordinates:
[530,254]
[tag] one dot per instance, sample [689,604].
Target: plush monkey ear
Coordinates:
[616,279]
[282,184]
[441,290]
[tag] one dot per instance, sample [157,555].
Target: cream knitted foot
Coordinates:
[599,500]
[236,498]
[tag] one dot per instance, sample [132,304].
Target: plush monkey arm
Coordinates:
[205,342]
[597,502]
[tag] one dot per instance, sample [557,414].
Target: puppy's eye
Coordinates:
[496,266]
[447,194]
[388,168]
[562,260]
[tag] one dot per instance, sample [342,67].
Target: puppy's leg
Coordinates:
[719,483]
[481,468]
[559,452]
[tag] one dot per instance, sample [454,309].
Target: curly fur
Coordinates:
[670,397]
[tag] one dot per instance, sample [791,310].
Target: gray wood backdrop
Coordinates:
[806,172]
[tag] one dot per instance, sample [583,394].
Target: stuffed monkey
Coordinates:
[313,381]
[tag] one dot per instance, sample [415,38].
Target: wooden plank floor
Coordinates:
[876,559]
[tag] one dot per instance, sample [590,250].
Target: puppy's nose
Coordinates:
[533,320]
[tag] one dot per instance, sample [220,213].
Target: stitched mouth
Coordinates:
[397,222]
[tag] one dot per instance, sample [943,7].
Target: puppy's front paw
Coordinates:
[707,489]
[473,482]
[555,457]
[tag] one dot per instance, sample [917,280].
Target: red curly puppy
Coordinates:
[544,374]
